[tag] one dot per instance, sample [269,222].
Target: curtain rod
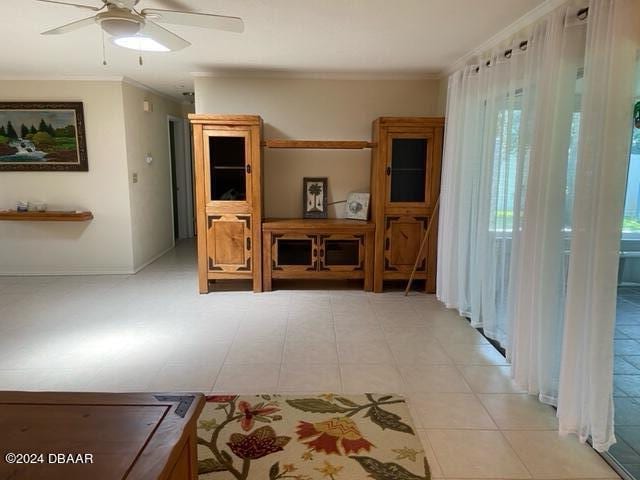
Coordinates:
[582,14]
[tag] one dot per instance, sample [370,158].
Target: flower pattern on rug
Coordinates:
[328,433]
[312,437]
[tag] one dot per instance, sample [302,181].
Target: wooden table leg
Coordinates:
[266,262]
[368,262]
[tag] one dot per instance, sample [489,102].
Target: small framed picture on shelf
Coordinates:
[357,206]
[314,197]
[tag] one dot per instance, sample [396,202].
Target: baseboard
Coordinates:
[68,272]
[76,270]
[152,259]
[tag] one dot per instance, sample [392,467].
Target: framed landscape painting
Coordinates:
[42,136]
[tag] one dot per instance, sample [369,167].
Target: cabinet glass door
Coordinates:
[294,252]
[341,252]
[407,170]
[226,158]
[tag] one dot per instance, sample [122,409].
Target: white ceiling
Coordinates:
[329,37]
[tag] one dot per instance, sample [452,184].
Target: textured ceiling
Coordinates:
[378,38]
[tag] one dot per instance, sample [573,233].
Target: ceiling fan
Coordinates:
[135,29]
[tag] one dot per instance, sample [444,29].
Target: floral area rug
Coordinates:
[334,437]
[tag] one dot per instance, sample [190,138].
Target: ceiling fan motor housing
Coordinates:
[120,22]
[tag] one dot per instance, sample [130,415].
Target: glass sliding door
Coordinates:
[626,453]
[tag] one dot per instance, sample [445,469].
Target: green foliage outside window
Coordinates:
[635,142]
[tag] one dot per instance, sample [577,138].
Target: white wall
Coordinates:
[443,89]
[151,197]
[102,245]
[310,109]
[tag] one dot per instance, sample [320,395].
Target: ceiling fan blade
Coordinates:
[173,4]
[194,19]
[77,5]
[163,36]
[70,27]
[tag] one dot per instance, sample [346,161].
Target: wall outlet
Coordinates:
[134,177]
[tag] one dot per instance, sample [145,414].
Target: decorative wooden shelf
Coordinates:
[318,144]
[48,216]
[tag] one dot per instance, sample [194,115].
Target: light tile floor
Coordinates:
[153,332]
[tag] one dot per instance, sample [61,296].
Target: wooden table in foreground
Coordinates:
[132,436]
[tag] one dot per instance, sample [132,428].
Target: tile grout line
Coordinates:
[226,356]
[504,438]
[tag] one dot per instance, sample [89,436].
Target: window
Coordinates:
[572,160]
[631,220]
[504,170]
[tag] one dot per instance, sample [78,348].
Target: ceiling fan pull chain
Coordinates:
[140,60]
[104,55]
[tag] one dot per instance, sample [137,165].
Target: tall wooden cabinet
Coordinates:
[228,186]
[405,185]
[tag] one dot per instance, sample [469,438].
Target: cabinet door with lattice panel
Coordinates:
[229,243]
[342,252]
[294,252]
[403,236]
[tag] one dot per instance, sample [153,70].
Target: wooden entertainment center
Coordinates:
[234,241]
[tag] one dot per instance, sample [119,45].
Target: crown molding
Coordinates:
[142,86]
[91,78]
[272,74]
[67,78]
[511,30]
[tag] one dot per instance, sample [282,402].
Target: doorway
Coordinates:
[626,452]
[181,177]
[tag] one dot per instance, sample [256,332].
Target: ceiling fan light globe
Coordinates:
[140,43]
[120,27]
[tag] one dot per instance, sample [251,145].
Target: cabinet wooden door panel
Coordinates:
[229,243]
[403,236]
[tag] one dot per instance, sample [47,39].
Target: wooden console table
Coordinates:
[317,249]
[110,436]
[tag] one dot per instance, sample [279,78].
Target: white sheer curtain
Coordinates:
[585,404]
[515,155]
[475,221]
[502,134]
[540,245]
